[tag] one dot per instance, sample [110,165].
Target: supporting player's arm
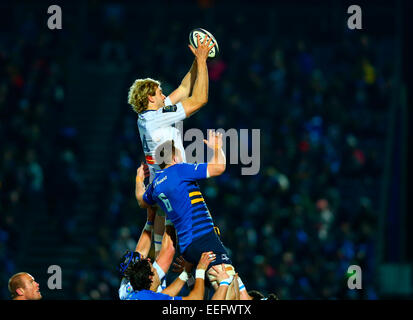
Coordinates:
[145,240]
[199,95]
[224,281]
[217,164]
[185,88]
[166,254]
[140,187]
[197,292]
[184,268]
[233,289]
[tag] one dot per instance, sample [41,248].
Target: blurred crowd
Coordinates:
[294,228]
[38,173]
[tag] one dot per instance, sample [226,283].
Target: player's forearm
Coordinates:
[221,293]
[188,81]
[199,95]
[144,244]
[219,157]
[145,240]
[197,292]
[244,295]
[174,288]
[139,192]
[217,164]
[200,92]
[166,254]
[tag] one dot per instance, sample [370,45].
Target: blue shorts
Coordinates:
[208,242]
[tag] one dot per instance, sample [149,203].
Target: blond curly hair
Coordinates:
[139,91]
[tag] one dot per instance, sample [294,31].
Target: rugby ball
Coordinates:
[202,34]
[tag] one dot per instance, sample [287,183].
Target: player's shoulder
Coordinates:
[146,114]
[180,166]
[189,167]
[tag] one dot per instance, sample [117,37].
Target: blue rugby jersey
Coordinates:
[176,191]
[149,295]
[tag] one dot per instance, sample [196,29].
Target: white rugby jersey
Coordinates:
[158,126]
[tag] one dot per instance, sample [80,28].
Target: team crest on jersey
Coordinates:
[169,108]
[129,288]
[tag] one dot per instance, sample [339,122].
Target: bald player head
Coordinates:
[23,287]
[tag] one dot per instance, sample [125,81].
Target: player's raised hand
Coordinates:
[214,140]
[203,48]
[206,259]
[181,264]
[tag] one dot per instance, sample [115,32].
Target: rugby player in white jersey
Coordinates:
[157,114]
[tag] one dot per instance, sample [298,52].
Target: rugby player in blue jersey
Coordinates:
[176,191]
[141,279]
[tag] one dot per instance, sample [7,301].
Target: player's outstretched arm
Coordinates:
[166,254]
[145,240]
[233,289]
[199,95]
[198,291]
[217,164]
[186,86]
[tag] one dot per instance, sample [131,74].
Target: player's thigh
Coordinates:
[208,242]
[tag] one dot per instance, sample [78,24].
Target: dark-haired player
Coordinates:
[141,276]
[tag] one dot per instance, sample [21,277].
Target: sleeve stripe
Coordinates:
[197,200]
[195,193]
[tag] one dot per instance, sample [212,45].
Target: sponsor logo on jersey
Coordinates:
[169,108]
[160,181]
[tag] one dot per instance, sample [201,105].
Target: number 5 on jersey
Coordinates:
[165,201]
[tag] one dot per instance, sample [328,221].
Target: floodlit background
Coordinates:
[329,102]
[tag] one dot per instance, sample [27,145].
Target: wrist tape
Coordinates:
[241,284]
[184,276]
[148,226]
[158,241]
[226,281]
[200,273]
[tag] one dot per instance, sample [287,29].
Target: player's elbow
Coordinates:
[220,169]
[142,204]
[203,101]
[199,103]
[200,99]
[216,169]
[193,104]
